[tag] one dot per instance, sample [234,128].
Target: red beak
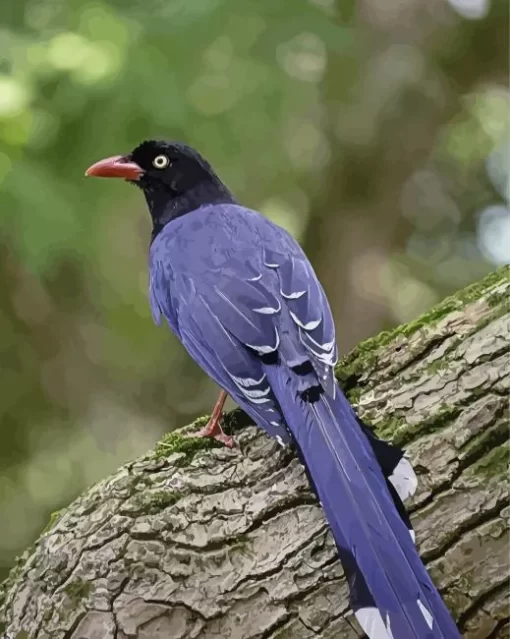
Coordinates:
[117,166]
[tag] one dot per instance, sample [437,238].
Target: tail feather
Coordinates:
[391,592]
[395,467]
[400,477]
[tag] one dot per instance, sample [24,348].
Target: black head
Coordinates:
[175,178]
[176,167]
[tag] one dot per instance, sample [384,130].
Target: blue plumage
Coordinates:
[233,286]
[240,294]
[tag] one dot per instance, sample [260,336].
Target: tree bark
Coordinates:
[203,542]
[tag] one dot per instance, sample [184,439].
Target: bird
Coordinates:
[242,297]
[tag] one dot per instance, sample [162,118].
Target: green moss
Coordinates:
[151,502]
[481,288]
[402,433]
[364,356]
[360,359]
[140,482]
[22,634]
[495,463]
[438,365]
[497,299]
[353,394]
[182,441]
[488,440]
[499,311]
[388,429]
[54,517]
[479,391]
[163,499]
[78,590]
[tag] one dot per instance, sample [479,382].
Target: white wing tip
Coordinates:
[404,479]
[372,623]
[426,614]
[309,326]
[292,296]
[267,310]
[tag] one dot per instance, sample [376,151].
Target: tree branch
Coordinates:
[189,542]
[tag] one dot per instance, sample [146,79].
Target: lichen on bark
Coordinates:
[200,541]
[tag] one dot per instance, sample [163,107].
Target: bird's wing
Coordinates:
[222,338]
[308,308]
[263,303]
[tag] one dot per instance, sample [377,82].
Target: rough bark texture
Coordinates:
[188,542]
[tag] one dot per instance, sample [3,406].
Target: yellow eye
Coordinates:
[160,162]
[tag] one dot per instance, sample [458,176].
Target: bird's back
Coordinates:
[213,236]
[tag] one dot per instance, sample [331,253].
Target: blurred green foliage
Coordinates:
[374,131]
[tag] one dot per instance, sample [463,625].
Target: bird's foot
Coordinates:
[213,429]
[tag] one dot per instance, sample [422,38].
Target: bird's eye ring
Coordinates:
[160,162]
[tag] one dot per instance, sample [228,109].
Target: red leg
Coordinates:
[213,428]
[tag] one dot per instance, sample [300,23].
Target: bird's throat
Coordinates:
[166,205]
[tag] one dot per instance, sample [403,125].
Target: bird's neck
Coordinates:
[164,207]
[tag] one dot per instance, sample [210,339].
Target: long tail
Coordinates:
[391,592]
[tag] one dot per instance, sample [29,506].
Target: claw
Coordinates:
[216,432]
[213,428]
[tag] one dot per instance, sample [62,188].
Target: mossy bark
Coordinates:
[199,541]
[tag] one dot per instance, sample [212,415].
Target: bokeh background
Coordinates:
[376,131]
